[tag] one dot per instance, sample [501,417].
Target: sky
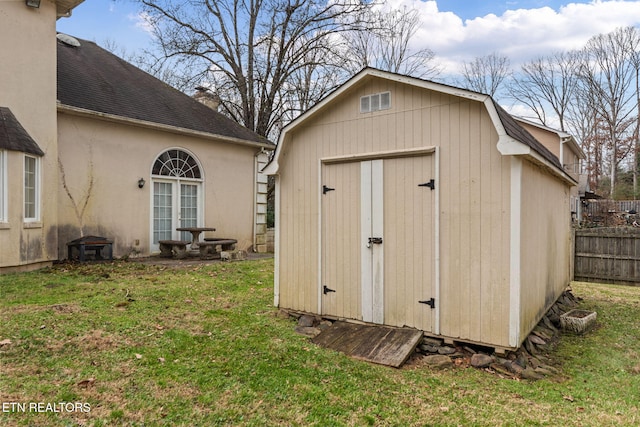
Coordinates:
[456,30]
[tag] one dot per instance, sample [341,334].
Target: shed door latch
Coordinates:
[430,302]
[326,290]
[374,241]
[431,184]
[326,189]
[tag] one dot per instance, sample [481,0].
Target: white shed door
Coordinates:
[378,242]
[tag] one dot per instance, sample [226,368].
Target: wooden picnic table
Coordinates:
[195,234]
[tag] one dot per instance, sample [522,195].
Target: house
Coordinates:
[101,148]
[405,202]
[118,125]
[568,152]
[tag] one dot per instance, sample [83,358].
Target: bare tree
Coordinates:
[609,73]
[582,123]
[248,50]
[485,74]
[548,82]
[386,44]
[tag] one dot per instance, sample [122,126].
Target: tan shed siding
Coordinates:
[545,245]
[474,205]
[474,229]
[299,238]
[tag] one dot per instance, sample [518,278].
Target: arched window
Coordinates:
[177,195]
[176,163]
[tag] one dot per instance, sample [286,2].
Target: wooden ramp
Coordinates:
[377,344]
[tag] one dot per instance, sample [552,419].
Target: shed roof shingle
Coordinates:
[14,137]
[515,131]
[94,79]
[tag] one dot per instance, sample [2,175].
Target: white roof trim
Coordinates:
[565,137]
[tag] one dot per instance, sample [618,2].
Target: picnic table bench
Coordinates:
[212,246]
[173,248]
[93,244]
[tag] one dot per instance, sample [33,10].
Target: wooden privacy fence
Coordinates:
[607,255]
[600,207]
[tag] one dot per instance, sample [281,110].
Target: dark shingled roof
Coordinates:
[13,136]
[92,78]
[515,131]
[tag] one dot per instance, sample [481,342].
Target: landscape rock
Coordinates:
[432,341]
[500,369]
[530,374]
[426,348]
[521,360]
[542,371]
[308,331]
[446,350]
[515,368]
[551,369]
[306,320]
[537,340]
[438,361]
[324,324]
[530,347]
[283,314]
[480,360]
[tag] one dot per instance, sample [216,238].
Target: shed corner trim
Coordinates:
[507,146]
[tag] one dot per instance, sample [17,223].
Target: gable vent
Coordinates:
[375,102]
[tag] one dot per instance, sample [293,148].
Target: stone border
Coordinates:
[528,362]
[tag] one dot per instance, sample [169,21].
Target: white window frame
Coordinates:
[3,186]
[374,102]
[177,176]
[36,196]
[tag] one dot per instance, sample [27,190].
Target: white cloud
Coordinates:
[521,34]
[142,21]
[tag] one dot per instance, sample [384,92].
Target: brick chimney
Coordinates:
[206,97]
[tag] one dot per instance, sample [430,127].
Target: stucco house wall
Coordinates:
[94,149]
[28,90]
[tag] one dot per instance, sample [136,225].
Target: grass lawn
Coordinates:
[136,344]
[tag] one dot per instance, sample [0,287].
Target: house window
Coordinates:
[375,102]
[31,188]
[176,163]
[3,187]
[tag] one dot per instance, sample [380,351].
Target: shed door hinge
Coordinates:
[430,302]
[326,290]
[431,184]
[326,189]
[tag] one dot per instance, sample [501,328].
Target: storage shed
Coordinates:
[405,202]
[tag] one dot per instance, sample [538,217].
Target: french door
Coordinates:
[176,203]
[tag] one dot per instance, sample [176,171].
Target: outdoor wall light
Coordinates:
[141,182]
[33,3]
